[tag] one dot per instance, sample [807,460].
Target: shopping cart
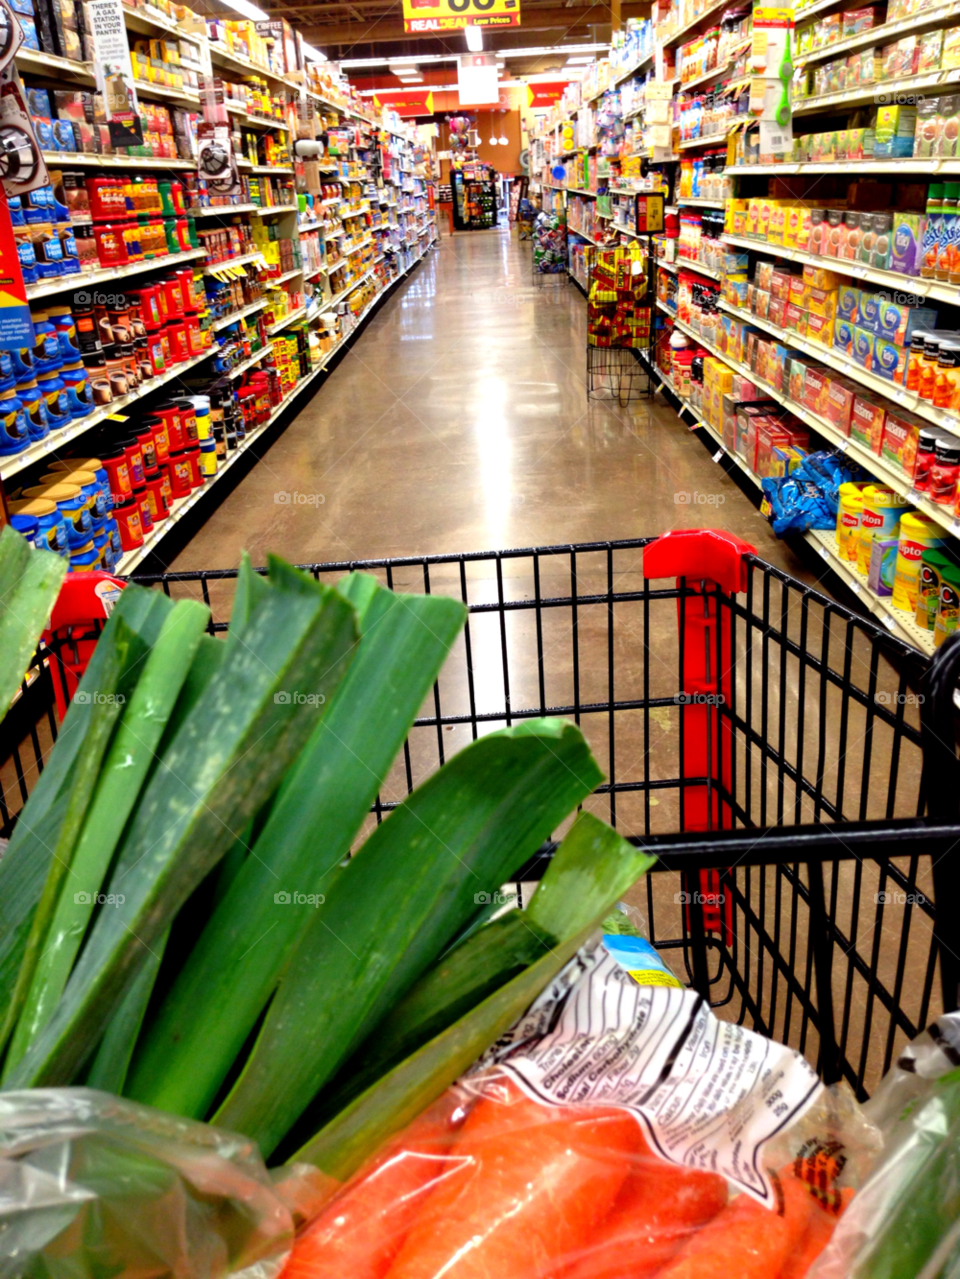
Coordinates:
[766,742]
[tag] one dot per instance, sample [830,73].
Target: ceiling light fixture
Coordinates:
[249,10]
[474,38]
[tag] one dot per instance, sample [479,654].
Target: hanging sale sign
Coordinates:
[114,72]
[545,95]
[412,103]
[422,16]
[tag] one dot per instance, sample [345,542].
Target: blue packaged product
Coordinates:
[861,350]
[46,350]
[54,393]
[38,102]
[14,435]
[22,361]
[84,558]
[105,551]
[848,303]
[51,534]
[30,38]
[890,360]
[112,530]
[15,205]
[79,395]
[34,408]
[36,210]
[26,526]
[843,332]
[68,248]
[49,251]
[868,306]
[61,317]
[43,128]
[73,508]
[28,261]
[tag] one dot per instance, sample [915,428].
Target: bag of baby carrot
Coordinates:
[618,1130]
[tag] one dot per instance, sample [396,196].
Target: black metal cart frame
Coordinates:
[791,764]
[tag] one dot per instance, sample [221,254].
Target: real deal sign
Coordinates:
[421,16]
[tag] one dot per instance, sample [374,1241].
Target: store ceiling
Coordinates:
[374,28]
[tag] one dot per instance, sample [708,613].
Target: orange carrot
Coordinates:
[819,1231]
[746,1239]
[534,1183]
[360,1232]
[656,1211]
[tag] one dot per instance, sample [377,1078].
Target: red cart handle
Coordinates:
[699,553]
[83,605]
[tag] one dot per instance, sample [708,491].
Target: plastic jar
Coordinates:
[158,493]
[34,408]
[880,518]
[14,430]
[89,487]
[208,456]
[54,391]
[84,558]
[180,480]
[117,467]
[79,396]
[72,507]
[917,534]
[51,534]
[849,512]
[127,517]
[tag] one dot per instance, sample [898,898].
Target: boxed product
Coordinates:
[930,51]
[899,58]
[906,249]
[868,310]
[822,302]
[820,329]
[775,311]
[795,374]
[894,129]
[867,417]
[815,388]
[898,323]
[951,49]
[798,290]
[861,350]
[848,303]
[927,135]
[890,360]
[900,432]
[843,333]
[948,126]
[839,402]
[856,20]
[795,319]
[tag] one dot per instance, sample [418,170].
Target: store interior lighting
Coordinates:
[539,51]
[474,38]
[248,10]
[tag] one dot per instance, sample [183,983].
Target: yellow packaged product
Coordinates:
[917,534]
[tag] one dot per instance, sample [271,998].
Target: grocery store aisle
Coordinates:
[459,421]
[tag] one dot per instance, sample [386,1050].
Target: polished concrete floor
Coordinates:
[459,422]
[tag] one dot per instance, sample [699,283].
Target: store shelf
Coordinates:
[249,363]
[809,10]
[633,70]
[211,268]
[837,360]
[287,320]
[672,267]
[677,37]
[226,320]
[897,622]
[892,168]
[338,297]
[576,231]
[932,289]
[881,35]
[697,203]
[684,264]
[895,91]
[718,139]
[65,159]
[355,248]
[54,442]
[85,279]
[49,65]
[282,279]
[269,168]
[257,210]
[160,92]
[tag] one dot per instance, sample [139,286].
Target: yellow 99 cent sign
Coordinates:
[421,17]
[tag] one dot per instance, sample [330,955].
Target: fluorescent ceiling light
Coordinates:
[248,10]
[474,38]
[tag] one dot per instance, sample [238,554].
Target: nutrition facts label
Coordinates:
[708,1093]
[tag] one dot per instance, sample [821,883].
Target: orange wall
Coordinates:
[504,159]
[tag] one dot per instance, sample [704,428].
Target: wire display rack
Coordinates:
[791,764]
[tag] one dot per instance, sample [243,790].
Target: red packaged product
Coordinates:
[127,516]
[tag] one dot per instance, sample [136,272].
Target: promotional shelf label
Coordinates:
[114,72]
[421,16]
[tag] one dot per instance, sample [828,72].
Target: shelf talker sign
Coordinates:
[412,103]
[114,72]
[420,17]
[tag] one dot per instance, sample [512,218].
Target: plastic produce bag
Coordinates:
[904,1221]
[91,1185]
[589,1143]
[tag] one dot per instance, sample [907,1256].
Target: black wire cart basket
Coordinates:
[791,764]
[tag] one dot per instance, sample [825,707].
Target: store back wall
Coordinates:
[504,159]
